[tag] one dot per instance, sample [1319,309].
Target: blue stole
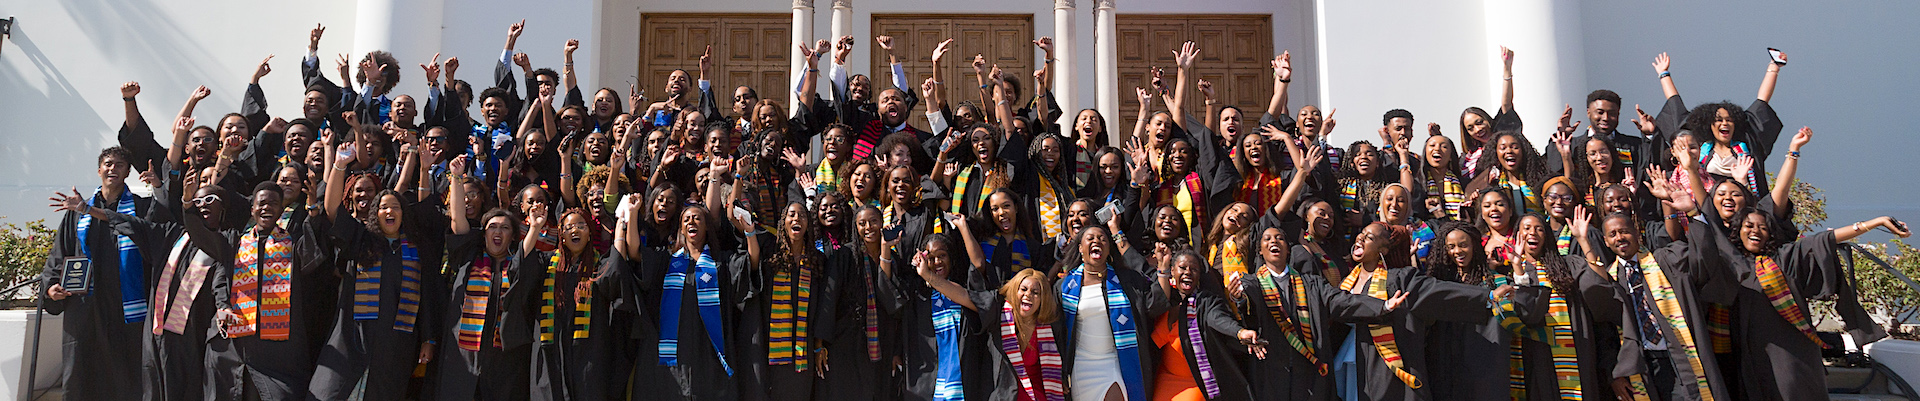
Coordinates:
[707,297]
[946,339]
[1126,338]
[133,278]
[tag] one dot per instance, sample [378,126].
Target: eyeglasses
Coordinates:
[1560,197]
[574,226]
[436,139]
[205,200]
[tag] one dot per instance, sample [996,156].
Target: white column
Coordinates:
[1548,69]
[842,19]
[407,28]
[1063,52]
[1106,74]
[802,33]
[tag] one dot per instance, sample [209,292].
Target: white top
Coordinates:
[1095,363]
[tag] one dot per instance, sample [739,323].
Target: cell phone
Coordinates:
[1775,54]
[742,214]
[893,234]
[1106,213]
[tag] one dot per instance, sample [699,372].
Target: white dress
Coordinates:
[1096,366]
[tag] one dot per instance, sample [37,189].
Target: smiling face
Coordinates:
[1237,217]
[1439,151]
[536,144]
[1184,266]
[1028,297]
[1088,123]
[1230,122]
[531,197]
[208,202]
[1754,233]
[1093,246]
[829,209]
[859,88]
[870,226]
[665,205]
[1728,198]
[1494,209]
[743,100]
[1368,245]
[388,215]
[403,110]
[1509,149]
[966,115]
[794,223]
[677,83]
[1180,158]
[656,140]
[298,136]
[835,145]
[1112,168]
[1365,160]
[314,106]
[1395,204]
[494,110]
[1079,214]
[500,234]
[902,185]
[201,144]
[572,119]
[1461,247]
[1167,223]
[1308,121]
[599,149]
[1604,114]
[1533,235]
[1050,152]
[985,146]
[1005,212]
[863,181]
[1723,124]
[937,261]
[693,225]
[1320,218]
[1559,201]
[1477,127]
[1621,236]
[1159,129]
[436,142]
[266,208]
[291,183]
[1599,158]
[113,170]
[604,102]
[1254,148]
[1617,199]
[362,194]
[234,126]
[1274,247]
[575,231]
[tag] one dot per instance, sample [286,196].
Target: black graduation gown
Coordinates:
[851,374]
[698,374]
[1777,361]
[375,351]
[1591,302]
[491,373]
[1482,349]
[1148,301]
[172,362]
[568,368]
[1697,273]
[1218,340]
[760,380]
[1005,380]
[251,367]
[1285,374]
[96,340]
[906,295]
[1428,301]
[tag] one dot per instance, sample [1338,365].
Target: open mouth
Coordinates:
[1532,241]
[1026,305]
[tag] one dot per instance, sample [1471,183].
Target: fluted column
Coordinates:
[1106,74]
[842,19]
[802,33]
[1063,64]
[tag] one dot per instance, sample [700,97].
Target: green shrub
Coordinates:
[23,250]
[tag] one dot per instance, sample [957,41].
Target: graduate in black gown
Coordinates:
[573,351]
[1482,347]
[697,286]
[940,358]
[1300,316]
[1397,370]
[1199,341]
[389,323]
[1100,277]
[1664,351]
[865,338]
[788,305]
[1774,340]
[265,350]
[488,357]
[174,346]
[1562,304]
[100,327]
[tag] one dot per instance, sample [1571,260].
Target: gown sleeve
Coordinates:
[1437,300]
[1341,305]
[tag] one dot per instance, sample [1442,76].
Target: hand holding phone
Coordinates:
[1779,57]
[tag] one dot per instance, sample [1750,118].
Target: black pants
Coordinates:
[1659,376]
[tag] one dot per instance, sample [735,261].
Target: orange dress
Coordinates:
[1173,381]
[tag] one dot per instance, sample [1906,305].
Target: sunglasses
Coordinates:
[204,200]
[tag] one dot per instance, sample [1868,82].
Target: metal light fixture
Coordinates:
[6,27]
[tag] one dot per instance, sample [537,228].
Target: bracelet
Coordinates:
[1856,227]
[1211,102]
[936,82]
[1507,78]
[1793,154]
[1664,74]
[1285,81]
[127,99]
[984,86]
[813,70]
[1676,216]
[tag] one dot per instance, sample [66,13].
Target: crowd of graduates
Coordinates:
[560,244]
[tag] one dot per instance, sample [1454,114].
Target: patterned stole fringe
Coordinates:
[824,179]
[1350,195]
[1774,283]
[175,314]
[1300,336]
[787,334]
[582,315]
[1559,336]
[1510,321]
[988,178]
[409,308]
[1564,244]
[1227,257]
[1208,382]
[1264,190]
[1018,251]
[473,308]
[1187,196]
[1382,334]
[1051,384]
[706,298]
[946,338]
[1719,328]
[262,288]
[1518,188]
[1670,308]
[1049,206]
[1452,194]
[872,316]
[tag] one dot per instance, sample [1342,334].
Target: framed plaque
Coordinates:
[77,277]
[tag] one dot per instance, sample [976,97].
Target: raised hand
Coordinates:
[805,179]
[940,52]
[201,93]
[520,59]
[1563,141]
[1326,127]
[1783,58]
[346,155]
[1506,60]
[796,160]
[263,69]
[1159,82]
[1800,139]
[1146,98]
[182,125]
[1184,57]
[458,166]
[1040,75]
[1315,153]
[453,64]
[1283,66]
[514,31]
[926,87]
[68,203]
[1743,163]
[1581,222]
[885,42]
[1567,124]
[151,176]
[1206,89]
[842,49]
[706,62]
[980,65]
[1661,63]
[1399,298]
[313,37]
[821,47]
[1045,43]
[570,47]
[129,89]
[1644,122]
[432,69]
